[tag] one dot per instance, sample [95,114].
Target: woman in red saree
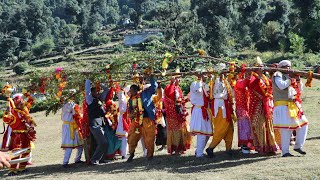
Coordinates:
[260,113]
[178,137]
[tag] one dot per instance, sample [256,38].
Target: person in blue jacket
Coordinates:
[142,115]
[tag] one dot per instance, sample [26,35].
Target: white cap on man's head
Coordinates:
[284,63]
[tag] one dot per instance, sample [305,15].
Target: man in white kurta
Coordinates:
[282,119]
[70,134]
[223,126]
[121,131]
[199,126]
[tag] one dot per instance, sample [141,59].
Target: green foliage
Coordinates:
[271,31]
[178,25]
[39,106]
[282,45]
[297,43]
[118,48]
[2,83]
[185,85]
[43,48]
[67,34]
[95,40]
[21,68]
[221,27]
[1,114]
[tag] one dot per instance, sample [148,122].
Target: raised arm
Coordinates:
[152,89]
[154,85]
[105,92]
[89,97]
[122,102]
[29,102]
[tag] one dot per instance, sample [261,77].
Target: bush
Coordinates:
[262,45]
[95,40]
[118,48]
[309,60]
[21,68]
[43,48]
[70,57]
[154,38]
[1,114]
[297,44]
[2,84]
[25,55]
[185,85]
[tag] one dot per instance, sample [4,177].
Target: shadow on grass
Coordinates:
[172,164]
[313,138]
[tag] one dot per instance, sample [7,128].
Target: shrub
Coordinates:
[153,38]
[297,43]
[2,84]
[25,55]
[185,85]
[96,40]
[21,68]
[1,114]
[43,48]
[118,48]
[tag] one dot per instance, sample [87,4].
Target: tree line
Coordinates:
[36,28]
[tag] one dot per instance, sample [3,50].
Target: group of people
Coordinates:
[266,108]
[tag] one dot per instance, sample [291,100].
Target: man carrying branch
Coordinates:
[287,113]
[142,113]
[96,123]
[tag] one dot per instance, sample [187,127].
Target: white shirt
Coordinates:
[196,93]
[122,102]
[220,94]
[68,111]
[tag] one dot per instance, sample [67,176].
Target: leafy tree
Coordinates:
[67,34]
[251,14]
[297,43]
[222,27]
[306,18]
[38,19]
[43,48]
[8,48]
[112,12]
[91,27]
[218,17]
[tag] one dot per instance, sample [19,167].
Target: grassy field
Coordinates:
[47,157]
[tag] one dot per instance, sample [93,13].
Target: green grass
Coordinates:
[48,157]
